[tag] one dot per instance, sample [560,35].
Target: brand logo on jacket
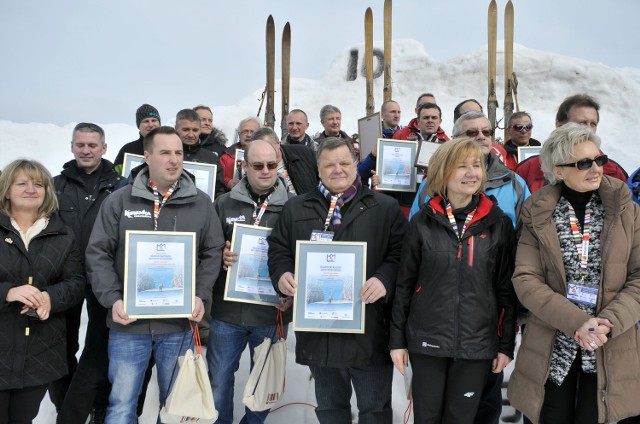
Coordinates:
[137,214]
[469,394]
[425,344]
[231,219]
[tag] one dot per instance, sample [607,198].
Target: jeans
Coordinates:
[129,356]
[373,394]
[225,346]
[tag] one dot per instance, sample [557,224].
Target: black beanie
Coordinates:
[146,111]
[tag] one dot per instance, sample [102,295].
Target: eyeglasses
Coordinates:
[474,133]
[584,164]
[89,126]
[259,166]
[520,127]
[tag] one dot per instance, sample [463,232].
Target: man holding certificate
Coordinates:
[342,210]
[160,197]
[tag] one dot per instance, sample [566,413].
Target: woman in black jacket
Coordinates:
[455,308]
[40,277]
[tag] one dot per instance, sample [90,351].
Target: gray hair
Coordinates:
[457,127]
[249,119]
[332,143]
[187,115]
[518,115]
[559,147]
[263,132]
[327,109]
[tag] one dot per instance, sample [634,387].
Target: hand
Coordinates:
[44,309]
[593,333]
[232,183]
[498,364]
[198,311]
[400,358]
[375,179]
[372,290]
[27,294]
[285,304]
[287,284]
[228,257]
[119,315]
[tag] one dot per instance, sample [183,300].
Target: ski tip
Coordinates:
[368,11]
[270,20]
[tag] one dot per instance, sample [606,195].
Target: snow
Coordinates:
[545,79]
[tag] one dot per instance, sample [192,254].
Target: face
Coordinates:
[206,121]
[25,194]
[189,131]
[519,138]
[337,169]
[584,115]
[391,115]
[165,159]
[246,131]
[587,180]
[297,125]
[479,125]
[88,149]
[429,121]
[261,153]
[466,178]
[331,124]
[147,124]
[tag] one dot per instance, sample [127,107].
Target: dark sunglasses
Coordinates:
[88,126]
[259,166]
[474,133]
[584,164]
[520,127]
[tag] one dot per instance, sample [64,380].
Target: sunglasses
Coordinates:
[474,133]
[520,127]
[259,166]
[584,164]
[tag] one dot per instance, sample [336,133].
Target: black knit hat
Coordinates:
[146,111]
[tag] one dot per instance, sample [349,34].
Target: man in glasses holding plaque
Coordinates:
[342,209]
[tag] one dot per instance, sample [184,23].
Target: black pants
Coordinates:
[20,406]
[490,407]
[447,390]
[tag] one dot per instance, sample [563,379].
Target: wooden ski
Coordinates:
[269,115]
[286,67]
[388,37]
[492,31]
[368,58]
[508,64]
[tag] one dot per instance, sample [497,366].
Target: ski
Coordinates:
[508,64]
[388,37]
[286,68]
[269,115]
[492,31]
[368,58]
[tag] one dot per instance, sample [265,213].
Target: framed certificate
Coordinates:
[370,130]
[525,152]
[205,174]
[159,274]
[248,279]
[426,149]
[330,276]
[395,165]
[238,173]
[131,161]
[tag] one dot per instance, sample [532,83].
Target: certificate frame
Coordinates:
[525,152]
[237,169]
[205,174]
[369,130]
[130,161]
[159,255]
[333,260]
[237,286]
[406,176]
[426,149]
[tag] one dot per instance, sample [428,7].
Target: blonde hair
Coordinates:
[35,171]
[442,164]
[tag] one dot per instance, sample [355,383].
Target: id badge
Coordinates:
[317,235]
[578,293]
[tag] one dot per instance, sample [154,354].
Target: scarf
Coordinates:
[341,199]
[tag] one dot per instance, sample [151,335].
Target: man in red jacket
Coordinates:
[245,131]
[410,131]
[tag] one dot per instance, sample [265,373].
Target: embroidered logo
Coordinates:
[231,219]
[425,344]
[469,394]
[137,214]
[8,240]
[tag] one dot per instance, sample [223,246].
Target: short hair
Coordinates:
[187,115]
[423,95]
[245,120]
[35,171]
[147,143]
[443,164]
[202,107]
[385,103]
[580,100]
[518,115]
[559,147]
[332,143]
[424,106]
[327,109]
[88,127]
[457,112]
[300,111]
[266,132]
[251,145]
[457,127]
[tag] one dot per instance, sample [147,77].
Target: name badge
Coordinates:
[581,294]
[317,235]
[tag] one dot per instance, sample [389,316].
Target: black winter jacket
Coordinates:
[370,217]
[38,355]
[196,153]
[302,167]
[216,142]
[455,299]
[134,147]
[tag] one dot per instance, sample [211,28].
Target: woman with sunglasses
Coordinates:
[578,273]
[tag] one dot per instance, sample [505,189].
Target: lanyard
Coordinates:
[158,204]
[581,240]
[257,215]
[454,225]
[332,206]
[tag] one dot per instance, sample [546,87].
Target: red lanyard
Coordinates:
[581,240]
[158,204]
[257,215]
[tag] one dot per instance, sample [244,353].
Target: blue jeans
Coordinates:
[129,355]
[224,349]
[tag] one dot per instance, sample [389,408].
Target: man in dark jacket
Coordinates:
[341,209]
[147,118]
[81,188]
[297,126]
[211,138]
